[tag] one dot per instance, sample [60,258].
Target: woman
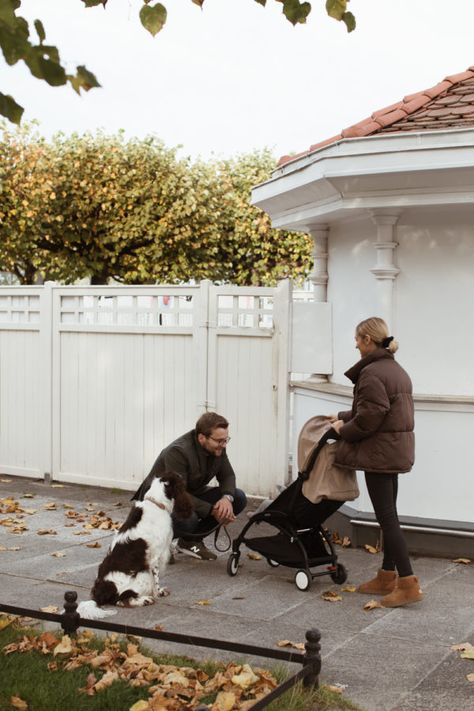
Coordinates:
[377,437]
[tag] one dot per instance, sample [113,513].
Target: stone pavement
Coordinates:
[387,660]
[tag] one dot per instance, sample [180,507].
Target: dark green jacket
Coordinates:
[185,456]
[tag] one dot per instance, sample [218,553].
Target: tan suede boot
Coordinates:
[408,590]
[384,582]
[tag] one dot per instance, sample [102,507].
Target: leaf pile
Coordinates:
[173,688]
[466,651]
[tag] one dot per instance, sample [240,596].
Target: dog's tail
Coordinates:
[90,610]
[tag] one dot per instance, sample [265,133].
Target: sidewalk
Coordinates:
[387,660]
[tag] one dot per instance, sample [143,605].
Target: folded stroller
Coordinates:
[298,512]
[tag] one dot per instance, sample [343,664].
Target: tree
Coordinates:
[101,207]
[44,61]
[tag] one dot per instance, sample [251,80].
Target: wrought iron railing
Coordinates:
[310,660]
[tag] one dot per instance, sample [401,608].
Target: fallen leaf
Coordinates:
[57,486]
[51,506]
[46,532]
[288,643]
[254,556]
[349,588]
[468,654]
[58,554]
[464,646]
[6,620]
[96,544]
[141,705]
[50,608]
[470,677]
[371,549]
[246,678]
[27,496]
[106,681]
[18,703]
[372,604]
[30,512]
[225,701]
[6,481]
[334,689]
[158,628]
[203,602]
[464,561]
[346,542]
[331,596]
[81,533]
[64,647]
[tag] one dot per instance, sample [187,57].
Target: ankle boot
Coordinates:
[408,590]
[384,582]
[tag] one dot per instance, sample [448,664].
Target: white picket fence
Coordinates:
[95,381]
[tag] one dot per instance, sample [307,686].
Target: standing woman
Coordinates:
[377,437]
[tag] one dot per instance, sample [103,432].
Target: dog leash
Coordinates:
[216,538]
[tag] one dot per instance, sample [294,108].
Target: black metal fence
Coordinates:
[310,661]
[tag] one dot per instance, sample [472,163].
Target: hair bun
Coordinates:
[387,341]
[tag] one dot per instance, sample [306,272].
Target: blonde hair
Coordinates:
[377,330]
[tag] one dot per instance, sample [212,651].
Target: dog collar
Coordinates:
[157,503]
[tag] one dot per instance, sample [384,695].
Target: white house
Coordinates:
[390,204]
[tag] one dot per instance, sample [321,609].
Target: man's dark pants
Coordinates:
[192,526]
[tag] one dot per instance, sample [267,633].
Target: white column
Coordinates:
[319,275]
[385,271]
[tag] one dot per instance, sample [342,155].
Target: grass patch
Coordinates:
[37,677]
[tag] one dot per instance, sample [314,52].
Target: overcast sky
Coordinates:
[236,76]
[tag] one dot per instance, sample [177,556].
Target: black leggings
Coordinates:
[383,489]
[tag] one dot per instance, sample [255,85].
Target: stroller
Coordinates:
[300,541]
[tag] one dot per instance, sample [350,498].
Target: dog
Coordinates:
[129,575]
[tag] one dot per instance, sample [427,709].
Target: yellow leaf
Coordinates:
[334,689]
[141,705]
[468,654]
[464,646]
[203,602]
[18,703]
[64,647]
[464,561]
[371,549]
[46,532]
[50,507]
[331,596]
[225,701]
[96,544]
[372,604]
[50,608]
[5,621]
[254,556]
[349,588]
[106,681]
[288,643]
[470,677]
[246,678]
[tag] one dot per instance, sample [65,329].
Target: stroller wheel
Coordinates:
[302,580]
[272,563]
[233,564]
[340,574]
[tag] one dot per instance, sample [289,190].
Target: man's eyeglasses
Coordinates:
[221,442]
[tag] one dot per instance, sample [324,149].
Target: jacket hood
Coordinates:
[354,372]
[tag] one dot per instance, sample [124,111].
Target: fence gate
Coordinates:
[95,381]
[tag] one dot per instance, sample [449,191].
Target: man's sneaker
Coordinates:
[196,549]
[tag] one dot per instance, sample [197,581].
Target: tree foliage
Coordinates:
[102,207]
[44,62]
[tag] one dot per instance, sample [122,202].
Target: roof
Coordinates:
[449,104]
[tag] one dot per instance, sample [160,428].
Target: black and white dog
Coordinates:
[129,575]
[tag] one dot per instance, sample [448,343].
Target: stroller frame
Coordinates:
[289,535]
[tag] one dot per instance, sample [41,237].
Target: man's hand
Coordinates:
[337,425]
[223,511]
[331,418]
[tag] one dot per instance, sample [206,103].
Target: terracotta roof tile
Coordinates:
[448,104]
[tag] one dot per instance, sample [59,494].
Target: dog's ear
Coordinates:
[176,489]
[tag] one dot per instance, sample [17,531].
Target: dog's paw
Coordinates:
[148,600]
[163,592]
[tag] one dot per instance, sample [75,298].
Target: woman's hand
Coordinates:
[337,424]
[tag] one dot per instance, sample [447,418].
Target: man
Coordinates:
[199,456]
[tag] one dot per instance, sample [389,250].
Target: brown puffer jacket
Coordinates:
[378,434]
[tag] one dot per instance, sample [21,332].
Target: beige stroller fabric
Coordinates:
[326,480]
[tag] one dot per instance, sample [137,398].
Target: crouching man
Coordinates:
[199,456]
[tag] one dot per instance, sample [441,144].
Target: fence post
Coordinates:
[46,356]
[70,617]
[312,657]
[201,326]
[281,349]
